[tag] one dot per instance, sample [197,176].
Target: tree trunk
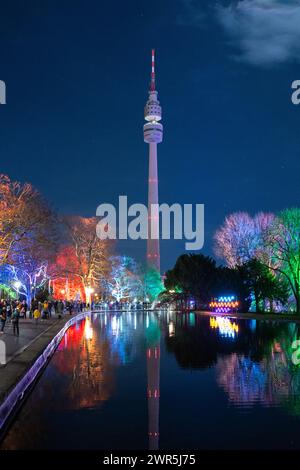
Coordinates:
[256,296]
[298,303]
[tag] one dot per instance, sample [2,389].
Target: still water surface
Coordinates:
[138,380]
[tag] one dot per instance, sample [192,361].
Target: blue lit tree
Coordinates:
[124,281]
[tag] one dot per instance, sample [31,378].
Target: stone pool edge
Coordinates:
[293,318]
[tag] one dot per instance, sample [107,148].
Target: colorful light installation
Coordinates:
[225,326]
[224,304]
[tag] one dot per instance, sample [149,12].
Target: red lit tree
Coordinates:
[84,262]
[66,282]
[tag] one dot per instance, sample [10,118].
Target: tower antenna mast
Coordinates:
[152,86]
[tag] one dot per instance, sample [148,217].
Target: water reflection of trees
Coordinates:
[253,367]
[90,354]
[86,364]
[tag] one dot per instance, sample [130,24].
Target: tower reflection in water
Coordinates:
[153,372]
[119,343]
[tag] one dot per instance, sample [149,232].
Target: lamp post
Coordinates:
[17,285]
[88,295]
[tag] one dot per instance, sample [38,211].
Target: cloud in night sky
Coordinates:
[192,14]
[266,32]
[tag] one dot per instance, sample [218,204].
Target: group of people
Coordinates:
[12,310]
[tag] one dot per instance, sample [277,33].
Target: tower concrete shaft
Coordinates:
[153,252]
[153,135]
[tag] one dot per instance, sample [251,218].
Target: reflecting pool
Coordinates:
[165,380]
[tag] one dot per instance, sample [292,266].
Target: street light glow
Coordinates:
[89,290]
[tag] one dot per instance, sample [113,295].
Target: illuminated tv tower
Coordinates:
[153,134]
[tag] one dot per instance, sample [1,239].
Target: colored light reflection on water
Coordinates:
[225,326]
[138,380]
[88,330]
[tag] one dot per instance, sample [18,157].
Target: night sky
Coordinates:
[77,74]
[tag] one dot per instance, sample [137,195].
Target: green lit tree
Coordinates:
[282,241]
[263,284]
[152,284]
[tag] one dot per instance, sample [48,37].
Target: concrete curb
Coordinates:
[252,316]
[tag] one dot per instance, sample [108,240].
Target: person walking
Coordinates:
[45,309]
[3,319]
[8,312]
[70,307]
[15,321]
[50,308]
[22,311]
[33,306]
[60,308]
[24,308]
[36,316]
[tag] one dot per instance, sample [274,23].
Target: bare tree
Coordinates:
[92,254]
[125,279]
[25,219]
[241,237]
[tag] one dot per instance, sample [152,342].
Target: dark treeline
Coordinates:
[198,346]
[199,278]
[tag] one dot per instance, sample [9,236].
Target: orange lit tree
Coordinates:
[25,218]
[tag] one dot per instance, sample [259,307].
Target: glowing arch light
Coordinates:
[224,304]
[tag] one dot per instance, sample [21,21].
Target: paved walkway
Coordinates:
[29,331]
[22,351]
